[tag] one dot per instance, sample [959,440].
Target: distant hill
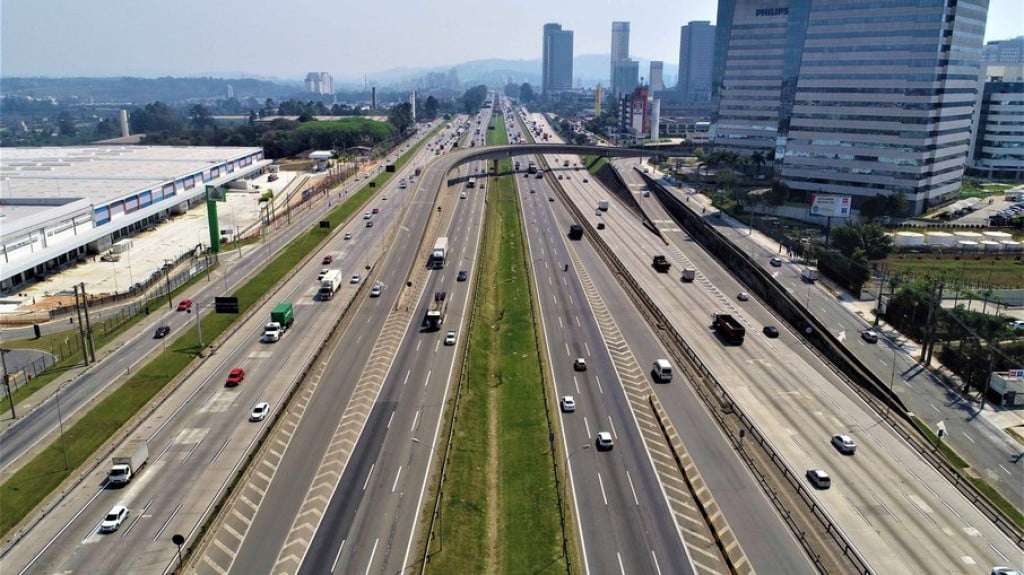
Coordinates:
[129,90]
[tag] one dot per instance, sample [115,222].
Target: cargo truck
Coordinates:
[127,462]
[532,168]
[661,264]
[688,274]
[730,329]
[575,232]
[329,283]
[434,317]
[281,318]
[602,205]
[809,275]
[439,254]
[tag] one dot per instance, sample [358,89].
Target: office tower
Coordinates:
[620,52]
[557,60]
[319,83]
[1004,51]
[696,54]
[627,77]
[657,81]
[854,98]
[997,132]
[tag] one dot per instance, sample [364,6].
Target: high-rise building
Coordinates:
[319,83]
[657,76]
[696,54]
[557,60]
[627,77]
[854,98]
[997,132]
[1004,51]
[620,52]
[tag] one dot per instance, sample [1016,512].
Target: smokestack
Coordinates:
[655,119]
[124,123]
[373,98]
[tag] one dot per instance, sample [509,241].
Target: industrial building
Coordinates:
[58,206]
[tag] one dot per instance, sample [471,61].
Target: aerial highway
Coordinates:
[894,508]
[200,434]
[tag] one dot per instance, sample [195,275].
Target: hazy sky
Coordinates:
[287,38]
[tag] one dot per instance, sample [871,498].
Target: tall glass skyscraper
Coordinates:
[855,97]
[696,52]
[620,48]
[557,60]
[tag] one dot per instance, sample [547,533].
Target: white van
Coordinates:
[662,371]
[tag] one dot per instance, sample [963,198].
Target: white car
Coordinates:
[376,290]
[366,215]
[568,403]
[259,411]
[115,517]
[348,236]
[354,279]
[845,444]
[819,479]
[449,338]
[604,441]
[743,296]
[870,336]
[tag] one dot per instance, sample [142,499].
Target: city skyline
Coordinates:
[352,44]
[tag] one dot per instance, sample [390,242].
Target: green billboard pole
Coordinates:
[214,194]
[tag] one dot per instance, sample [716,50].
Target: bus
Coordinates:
[471,183]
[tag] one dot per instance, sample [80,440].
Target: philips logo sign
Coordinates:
[773,11]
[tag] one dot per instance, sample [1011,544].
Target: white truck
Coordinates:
[439,254]
[329,283]
[809,275]
[127,462]
[272,332]
[602,205]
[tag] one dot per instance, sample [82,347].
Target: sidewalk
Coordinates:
[1010,421]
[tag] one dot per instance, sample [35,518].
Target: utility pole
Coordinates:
[81,328]
[88,324]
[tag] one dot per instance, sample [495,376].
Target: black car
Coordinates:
[771,331]
[161,332]
[462,276]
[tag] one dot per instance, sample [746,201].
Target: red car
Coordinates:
[185,305]
[328,259]
[235,377]
[375,210]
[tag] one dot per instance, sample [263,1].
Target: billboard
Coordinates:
[830,206]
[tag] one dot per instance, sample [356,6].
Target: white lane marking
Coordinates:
[368,475]
[168,521]
[415,421]
[426,380]
[612,425]
[570,300]
[372,553]
[622,568]
[629,478]
[841,336]
[586,423]
[560,323]
[397,475]
[390,419]
[567,352]
[603,495]
[1005,469]
[599,388]
[578,323]
[586,346]
[967,436]
[576,384]
[419,344]
[654,558]
[334,566]
[407,374]
[935,408]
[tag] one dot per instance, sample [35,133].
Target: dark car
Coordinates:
[327,259]
[463,274]
[161,332]
[771,331]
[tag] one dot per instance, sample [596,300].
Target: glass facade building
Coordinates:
[557,60]
[696,53]
[619,54]
[854,97]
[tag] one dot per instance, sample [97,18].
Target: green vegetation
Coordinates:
[500,504]
[1002,272]
[343,133]
[30,485]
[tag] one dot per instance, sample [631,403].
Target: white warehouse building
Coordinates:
[59,205]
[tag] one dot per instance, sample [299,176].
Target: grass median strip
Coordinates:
[500,507]
[27,487]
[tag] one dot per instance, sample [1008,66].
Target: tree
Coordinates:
[108,128]
[200,117]
[431,107]
[526,93]
[870,240]
[757,158]
[401,117]
[66,125]
[473,99]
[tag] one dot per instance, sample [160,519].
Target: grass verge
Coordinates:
[500,502]
[26,488]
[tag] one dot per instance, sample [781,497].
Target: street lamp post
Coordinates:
[892,382]
[440,497]
[199,326]
[7,380]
